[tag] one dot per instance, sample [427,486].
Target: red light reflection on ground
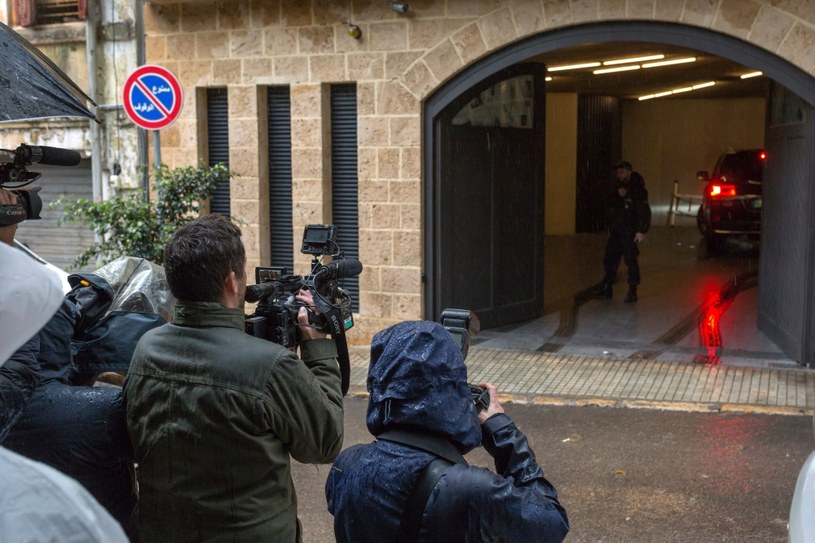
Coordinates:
[709,318]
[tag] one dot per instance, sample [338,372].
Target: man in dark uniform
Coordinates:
[628,217]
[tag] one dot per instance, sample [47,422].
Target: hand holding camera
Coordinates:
[494,407]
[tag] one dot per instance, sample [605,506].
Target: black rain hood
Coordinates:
[417,379]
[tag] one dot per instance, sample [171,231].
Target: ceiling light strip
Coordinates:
[631,60]
[573,66]
[679,90]
[669,62]
[751,74]
[617,69]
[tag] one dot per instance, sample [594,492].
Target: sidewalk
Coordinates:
[558,379]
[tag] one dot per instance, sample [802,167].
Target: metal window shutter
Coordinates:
[345,208]
[218,139]
[280,191]
[59,245]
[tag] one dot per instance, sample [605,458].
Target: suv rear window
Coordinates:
[740,166]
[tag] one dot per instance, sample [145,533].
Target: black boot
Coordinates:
[632,294]
[603,291]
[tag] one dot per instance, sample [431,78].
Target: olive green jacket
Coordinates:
[214,415]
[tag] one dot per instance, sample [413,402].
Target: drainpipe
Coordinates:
[142,134]
[91,29]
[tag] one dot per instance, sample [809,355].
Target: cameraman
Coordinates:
[214,413]
[417,382]
[7,232]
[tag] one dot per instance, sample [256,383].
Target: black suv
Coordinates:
[731,202]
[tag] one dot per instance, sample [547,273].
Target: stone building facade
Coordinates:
[398,61]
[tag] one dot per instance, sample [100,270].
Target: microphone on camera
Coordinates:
[50,156]
[347,267]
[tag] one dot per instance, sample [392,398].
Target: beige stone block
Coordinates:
[387,163]
[170,136]
[443,60]
[458,8]
[376,246]
[804,9]
[407,248]
[315,40]
[162,19]
[428,33]
[799,46]
[243,133]
[291,69]
[528,16]
[736,17]
[411,216]
[307,213]
[243,102]
[265,13]
[329,12]
[226,72]
[371,10]
[343,43]
[406,192]
[246,160]
[584,10]
[244,188]
[307,163]
[246,210]
[372,191]
[182,45]
[372,131]
[374,304]
[155,47]
[280,41]
[397,62]
[365,214]
[637,9]
[667,10]
[405,131]
[256,70]
[394,99]
[699,12]
[469,43]
[364,329]
[387,36]
[407,307]
[234,15]
[295,13]
[366,162]
[327,68]
[411,163]
[365,66]
[771,27]
[306,132]
[402,280]
[198,17]
[305,100]
[309,190]
[250,235]
[246,43]
[369,278]
[211,45]
[195,72]
[187,134]
[384,216]
[498,28]
[556,13]
[366,98]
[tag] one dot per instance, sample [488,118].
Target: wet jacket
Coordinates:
[214,415]
[628,214]
[417,381]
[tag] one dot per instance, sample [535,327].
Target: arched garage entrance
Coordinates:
[469,242]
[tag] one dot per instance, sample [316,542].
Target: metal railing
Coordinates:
[679,203]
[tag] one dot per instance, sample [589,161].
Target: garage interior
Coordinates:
[692,306]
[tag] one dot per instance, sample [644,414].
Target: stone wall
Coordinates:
[396,63]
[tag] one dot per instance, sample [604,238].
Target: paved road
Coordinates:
[635,475]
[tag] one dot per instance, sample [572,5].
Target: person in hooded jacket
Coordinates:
[417,382]
[37,503]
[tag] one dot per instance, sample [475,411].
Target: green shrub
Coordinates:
[127,225]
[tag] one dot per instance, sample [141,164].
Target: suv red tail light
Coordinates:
[721,190]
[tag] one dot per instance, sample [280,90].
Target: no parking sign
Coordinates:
[152,97]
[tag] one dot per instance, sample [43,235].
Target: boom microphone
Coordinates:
[51,156]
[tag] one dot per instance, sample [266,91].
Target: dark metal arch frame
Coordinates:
[703,39]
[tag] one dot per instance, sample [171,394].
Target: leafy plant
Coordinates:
[127,225]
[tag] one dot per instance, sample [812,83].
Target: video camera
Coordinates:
[14,175]
[462,325]
[275,317]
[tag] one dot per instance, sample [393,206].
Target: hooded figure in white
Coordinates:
[38,503]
